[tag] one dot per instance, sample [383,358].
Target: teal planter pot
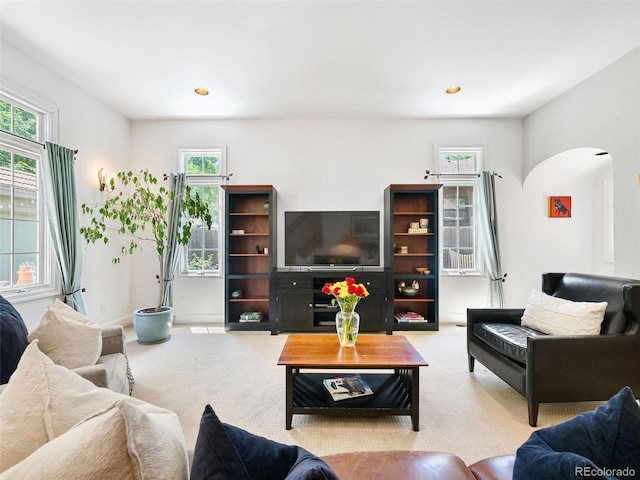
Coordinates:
[151,326]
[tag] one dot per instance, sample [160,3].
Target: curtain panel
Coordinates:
[489,227]
[172,256]
[61,200]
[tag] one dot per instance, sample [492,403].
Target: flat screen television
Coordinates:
[332,238]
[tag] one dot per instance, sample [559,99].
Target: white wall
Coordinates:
[102,138]
[602,112]
[327,164]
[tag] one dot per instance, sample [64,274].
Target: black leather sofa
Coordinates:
[568,368]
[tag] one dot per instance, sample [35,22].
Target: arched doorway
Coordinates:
[581,242]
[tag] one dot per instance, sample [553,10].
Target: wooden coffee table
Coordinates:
[394,393]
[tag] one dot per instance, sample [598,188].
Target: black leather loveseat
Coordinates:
[563,368]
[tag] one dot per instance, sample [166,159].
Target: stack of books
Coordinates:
[406,317]
[251,317]
[342,388]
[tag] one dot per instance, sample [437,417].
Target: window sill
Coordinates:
[469,274]
[28,293]
[200,275]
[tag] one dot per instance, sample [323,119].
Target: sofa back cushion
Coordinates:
[593,288]
[121,441]
[13,339]
[67,337]
[43,401]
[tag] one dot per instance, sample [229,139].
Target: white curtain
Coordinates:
[489,227]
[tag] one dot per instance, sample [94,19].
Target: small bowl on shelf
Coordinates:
[423,270]
[407,291]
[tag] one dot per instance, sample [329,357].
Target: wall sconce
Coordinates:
[104,182]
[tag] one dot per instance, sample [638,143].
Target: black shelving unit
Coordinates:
[404,205]
[250,255]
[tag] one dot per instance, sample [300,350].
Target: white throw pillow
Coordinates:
[43,401]
[557,316]
[67,337]
[120,442]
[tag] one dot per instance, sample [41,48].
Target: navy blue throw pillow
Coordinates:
[602,444]
[225,452]
[13,339]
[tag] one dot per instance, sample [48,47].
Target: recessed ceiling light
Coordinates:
[453,89]
[202,91]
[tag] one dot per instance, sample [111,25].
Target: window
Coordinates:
[459,168]
[25,259]
[205,172]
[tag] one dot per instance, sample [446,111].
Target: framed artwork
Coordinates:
[559,207]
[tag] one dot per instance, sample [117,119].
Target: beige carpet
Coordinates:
[473,415]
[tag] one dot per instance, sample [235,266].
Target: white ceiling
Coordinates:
[319,59]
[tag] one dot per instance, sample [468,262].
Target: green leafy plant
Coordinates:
[139,211]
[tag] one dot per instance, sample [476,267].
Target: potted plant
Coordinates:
[140,212]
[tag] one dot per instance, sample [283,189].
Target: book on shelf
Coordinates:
[251,317]
[342,388]
[406,317]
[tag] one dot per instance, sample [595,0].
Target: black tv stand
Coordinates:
[302,307]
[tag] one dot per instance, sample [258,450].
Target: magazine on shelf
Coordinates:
[342,388]
[406,317]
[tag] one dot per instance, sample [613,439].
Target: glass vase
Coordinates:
[347,326]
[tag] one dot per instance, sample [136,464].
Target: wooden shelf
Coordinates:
[238,300]
[265,234]
[413,299]
[414,213]
[405,204]
[250,208]
[248,214]
[406,234]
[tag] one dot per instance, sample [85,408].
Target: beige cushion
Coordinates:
[67,337]
[120,442]
[43,401]
[557,316]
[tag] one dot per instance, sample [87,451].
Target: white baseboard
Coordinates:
[124,321]
[207,318]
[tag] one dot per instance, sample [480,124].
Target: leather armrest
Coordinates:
[494,468]
[96,374]
[586,359]
[495,315]
[112,340]
[406,465]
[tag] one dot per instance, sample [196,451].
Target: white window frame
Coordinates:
[205,180]
[49,276]
[470,179]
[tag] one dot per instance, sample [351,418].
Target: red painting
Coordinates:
[559,207]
